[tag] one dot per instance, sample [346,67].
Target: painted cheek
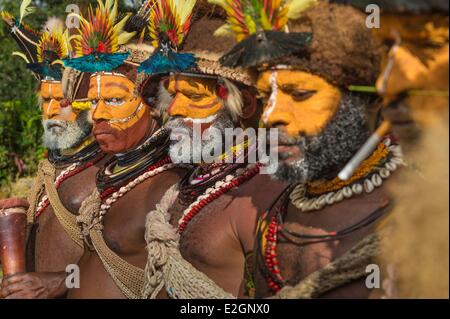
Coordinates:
[131,122]
[204,108]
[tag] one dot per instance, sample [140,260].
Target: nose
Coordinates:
[100,112]
[177,107]
[53,109]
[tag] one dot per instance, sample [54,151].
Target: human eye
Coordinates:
[302,95]
[94,102]
[196,97]
[114,101]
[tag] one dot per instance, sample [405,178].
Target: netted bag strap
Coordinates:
[67,220]
[36,193]
[165,265]
[345,269]
[129,278]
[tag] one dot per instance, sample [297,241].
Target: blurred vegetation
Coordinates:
[20,121]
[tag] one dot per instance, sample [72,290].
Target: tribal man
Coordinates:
[414,87]
[66,178]
[213,212]
[131,183]
[318,235]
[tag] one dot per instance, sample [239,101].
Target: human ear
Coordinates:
[249,104]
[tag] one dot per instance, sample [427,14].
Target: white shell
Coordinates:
[385,173]
[357,188]
[322,200]
[368,186]
[347,191]
[219,184]
[397,161]
[391,166]
[329,198]
[229,178]
[209,190]
[122,190]
[377,180]
[339,196]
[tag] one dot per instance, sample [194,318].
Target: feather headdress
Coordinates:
[100,34]
[260,26]
[169,23]
[42,51]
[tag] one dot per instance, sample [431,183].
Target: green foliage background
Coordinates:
[20,121]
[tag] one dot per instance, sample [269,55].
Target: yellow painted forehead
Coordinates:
[110,85]
[180,82]
[292,79]
[51,89]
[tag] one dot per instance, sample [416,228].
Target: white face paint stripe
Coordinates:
[273,97]
[48,107]
[99,77]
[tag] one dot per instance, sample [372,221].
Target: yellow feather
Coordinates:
[124,37]
[20,54]
[57,62]
[224,31]
[114,10]
[119,26]
[296,7]
[221,3]
[183,8]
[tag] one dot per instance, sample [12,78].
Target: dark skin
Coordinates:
[229,224]
[54,249]
[124,226]
[298,261]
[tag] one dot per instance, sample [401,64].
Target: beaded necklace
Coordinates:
[133,163]
[211,194]
[270,228]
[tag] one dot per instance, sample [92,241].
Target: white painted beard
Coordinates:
[61,135]
[183,148]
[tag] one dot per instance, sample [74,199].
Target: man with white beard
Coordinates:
[66,178]
[214,210]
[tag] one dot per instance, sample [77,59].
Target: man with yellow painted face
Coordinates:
[113,218]
[218,200]
[65,178]
[317,239]
[413,81]
[414,86]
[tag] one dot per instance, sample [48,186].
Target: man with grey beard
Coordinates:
[63,180]
[319,235]
[215,207]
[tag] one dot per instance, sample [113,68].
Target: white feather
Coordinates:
[25,9]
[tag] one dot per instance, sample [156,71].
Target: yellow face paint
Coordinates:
[403,71]
[303,102]
[113,100]
[193,97]
[51,94]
